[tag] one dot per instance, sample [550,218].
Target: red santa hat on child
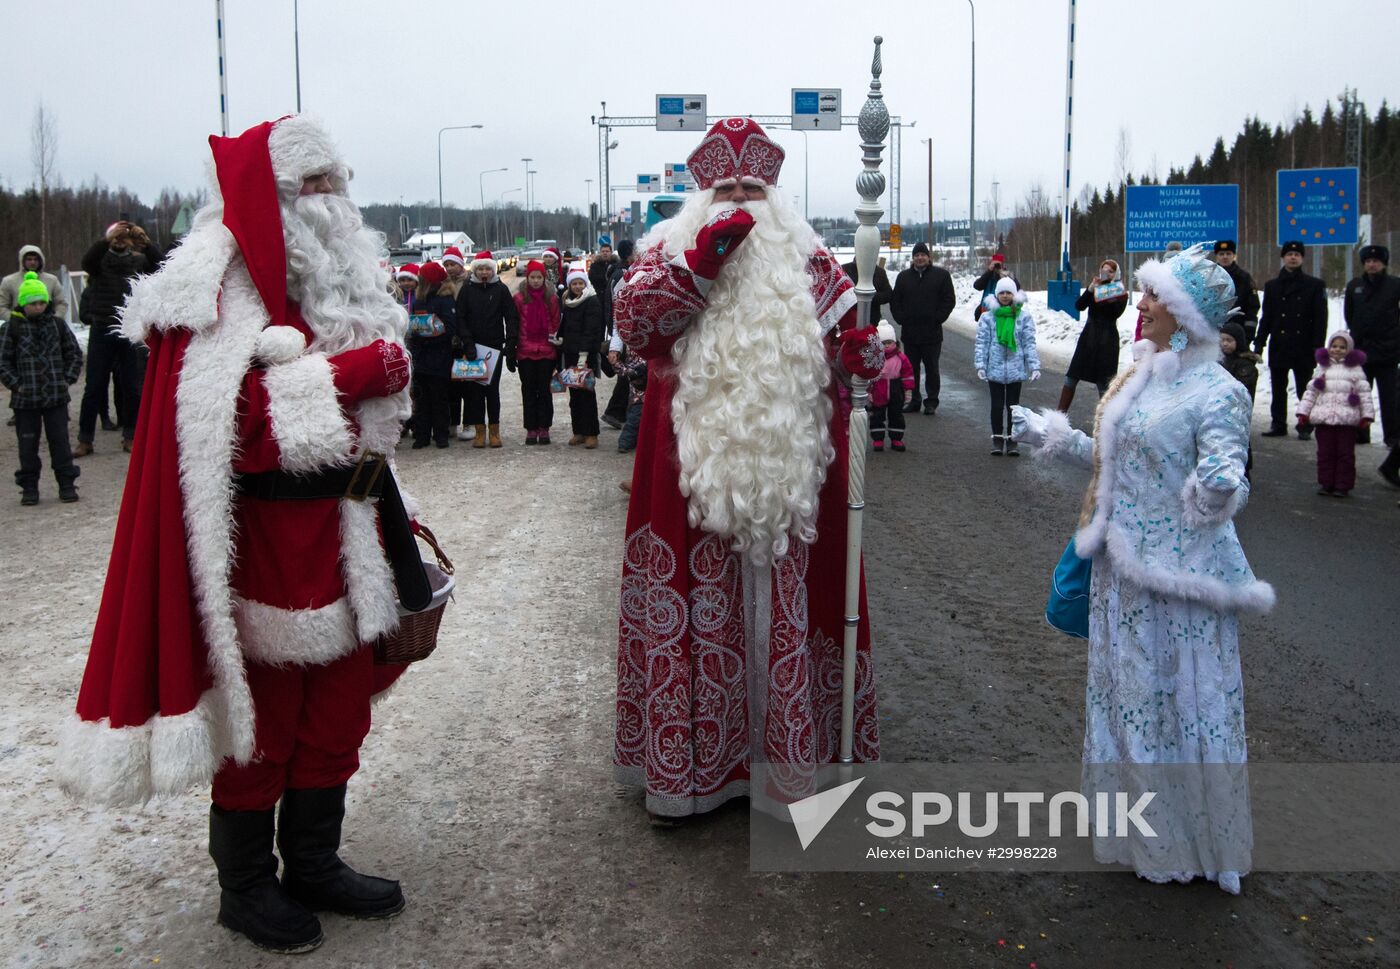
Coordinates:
[576,272]
[408,270]
[735,148]
[453,254]
[432,274]
[483,258]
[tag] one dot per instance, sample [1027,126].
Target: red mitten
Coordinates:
[716,240]
[1365,423]
[1303,420]
[377,370]
[862,354]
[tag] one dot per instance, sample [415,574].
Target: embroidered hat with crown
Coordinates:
[735,148]
[1198,293]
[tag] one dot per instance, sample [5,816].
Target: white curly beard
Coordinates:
[334,274]
[751,410]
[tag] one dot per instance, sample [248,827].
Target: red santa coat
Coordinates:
[687,695]
[200,580]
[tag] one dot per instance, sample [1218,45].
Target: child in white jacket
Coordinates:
[1004,356]
[1337,403]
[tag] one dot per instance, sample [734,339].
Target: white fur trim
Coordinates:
[1256,596]
[280,344]
[1089,539]
[1196,501]
[367,573]
[832,317]
[126,766]
[307,422]
[295,637]
[1158,276]
[702,285]
[184,293]
[206,418]
[300,146]
[1059,436]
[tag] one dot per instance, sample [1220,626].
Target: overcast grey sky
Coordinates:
[134,88]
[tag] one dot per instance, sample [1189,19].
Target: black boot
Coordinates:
[251,900]
[1390,467]
[308,837]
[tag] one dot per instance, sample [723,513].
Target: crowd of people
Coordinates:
[554,332]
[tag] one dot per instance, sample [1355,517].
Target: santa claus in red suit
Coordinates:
[247,574]
[731,623]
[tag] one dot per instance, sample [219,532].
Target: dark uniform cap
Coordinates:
[1375,252]
[1292,246]
[1225,245]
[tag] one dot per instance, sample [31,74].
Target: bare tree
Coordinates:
[1123,157]
[43,150]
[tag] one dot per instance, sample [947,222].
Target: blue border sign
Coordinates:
[1155,215]
[1318,206]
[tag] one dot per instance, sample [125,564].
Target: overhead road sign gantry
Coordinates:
[680,112]
[816,109]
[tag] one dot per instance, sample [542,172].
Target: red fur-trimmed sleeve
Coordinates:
[656,302]
[832,291]
[290,418]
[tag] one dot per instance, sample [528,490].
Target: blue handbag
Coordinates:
[1068,607]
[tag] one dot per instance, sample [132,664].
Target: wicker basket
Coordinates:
[416,636]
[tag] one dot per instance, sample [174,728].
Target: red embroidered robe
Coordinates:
[691,708]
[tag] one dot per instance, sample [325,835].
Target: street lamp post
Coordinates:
[972,143]
[588,200]
[481,193]
[527,195]
[442,229]
[530,191]
[929,141]
[500,200]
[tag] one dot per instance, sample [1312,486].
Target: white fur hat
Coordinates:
[885,331]
[1006,285]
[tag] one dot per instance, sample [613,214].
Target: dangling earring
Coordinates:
[1178,341]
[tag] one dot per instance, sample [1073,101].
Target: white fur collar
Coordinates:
[184,292]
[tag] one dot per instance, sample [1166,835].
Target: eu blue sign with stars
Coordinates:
[1317,206]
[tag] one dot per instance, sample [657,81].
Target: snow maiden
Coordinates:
[1169,578]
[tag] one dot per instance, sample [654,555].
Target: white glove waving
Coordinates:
[1035,375]
[981,375]
[1028,427]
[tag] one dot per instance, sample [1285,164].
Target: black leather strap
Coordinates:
[283,486]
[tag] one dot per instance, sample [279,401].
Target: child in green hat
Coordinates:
[39,360]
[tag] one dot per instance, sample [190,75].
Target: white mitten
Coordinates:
[1028,427]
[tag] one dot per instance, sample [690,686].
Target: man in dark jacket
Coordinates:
[600,278]
[112,265]
[1372,310]
[883,290]
[1293,324]
[922,299]
[485,308]
[615,414]
[1246,299]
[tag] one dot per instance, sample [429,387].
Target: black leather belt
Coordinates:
[362,482]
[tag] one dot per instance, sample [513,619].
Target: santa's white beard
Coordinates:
[333,272]
[751,409]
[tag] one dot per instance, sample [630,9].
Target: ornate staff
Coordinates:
[874,125]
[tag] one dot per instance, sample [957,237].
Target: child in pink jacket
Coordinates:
[887,394]
[1337,403]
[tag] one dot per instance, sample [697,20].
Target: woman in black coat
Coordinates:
[433,311]
[581,330]
[1096,354]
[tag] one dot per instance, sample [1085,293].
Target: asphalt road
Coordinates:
[485,783]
